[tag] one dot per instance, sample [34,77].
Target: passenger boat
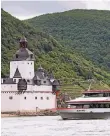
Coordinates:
[93,104]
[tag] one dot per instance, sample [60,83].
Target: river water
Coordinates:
[53,126]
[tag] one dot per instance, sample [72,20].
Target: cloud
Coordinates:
[29,9]
[100,4]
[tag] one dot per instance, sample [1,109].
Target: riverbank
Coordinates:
[30,113]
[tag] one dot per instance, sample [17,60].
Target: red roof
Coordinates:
[97,91]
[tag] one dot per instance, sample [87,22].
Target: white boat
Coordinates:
[93,104]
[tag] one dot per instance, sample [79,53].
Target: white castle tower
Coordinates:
[22,62]
[24,89]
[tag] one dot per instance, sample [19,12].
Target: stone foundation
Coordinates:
[30,113]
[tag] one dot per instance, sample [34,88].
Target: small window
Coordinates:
[31,63]
[35,97]
[28,62]
[16,55]
[44,81]
[10,97]
[3,80]
[14,80]
[31,56]
[41,98]
[47,98]
[28,80]
[25,98]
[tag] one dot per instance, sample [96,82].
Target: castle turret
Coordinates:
[23,61]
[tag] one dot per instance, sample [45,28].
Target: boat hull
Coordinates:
[83,115]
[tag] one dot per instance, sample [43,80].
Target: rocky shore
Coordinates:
[30,113]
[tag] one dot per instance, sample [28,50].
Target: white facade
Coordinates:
[12,101]
[26,68]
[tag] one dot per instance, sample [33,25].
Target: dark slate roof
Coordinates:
[40,74]
[55,82]
[17,74]
[23,54]
[8,81]
[40,69]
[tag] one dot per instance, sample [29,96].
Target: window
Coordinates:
[3,80]
[14,80]
[28,62]
[47,98]
[25,98]
[31,63]
[16,55]
[10,97]
[41,98]
[31,56]
[44,81]
[35,97]
[28,80]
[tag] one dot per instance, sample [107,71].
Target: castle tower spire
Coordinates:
[23,42]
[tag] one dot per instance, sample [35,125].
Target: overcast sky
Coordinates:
[28,9]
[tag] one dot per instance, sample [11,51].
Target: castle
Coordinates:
[25,89]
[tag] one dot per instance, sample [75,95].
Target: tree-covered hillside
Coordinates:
[65,63]
[87,31]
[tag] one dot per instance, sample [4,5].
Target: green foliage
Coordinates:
[65,63]
[87,31]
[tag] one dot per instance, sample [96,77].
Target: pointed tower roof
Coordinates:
[17,74]
[23,53]
[40,69]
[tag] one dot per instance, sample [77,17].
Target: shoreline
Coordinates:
[29,113]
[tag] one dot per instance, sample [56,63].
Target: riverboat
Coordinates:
[93,104]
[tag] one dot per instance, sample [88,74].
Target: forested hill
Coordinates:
[88,31]
[64,62]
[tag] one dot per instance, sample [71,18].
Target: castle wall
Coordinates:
[26,68]
[27,101]
[40,97]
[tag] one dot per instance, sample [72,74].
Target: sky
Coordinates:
[28,9]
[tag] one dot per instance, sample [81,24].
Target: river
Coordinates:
[53,126]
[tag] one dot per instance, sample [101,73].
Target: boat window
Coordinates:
[86,106]
[72,106]
[97,95]
[69,106]
[105,95]
[100,106]
[100,95]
